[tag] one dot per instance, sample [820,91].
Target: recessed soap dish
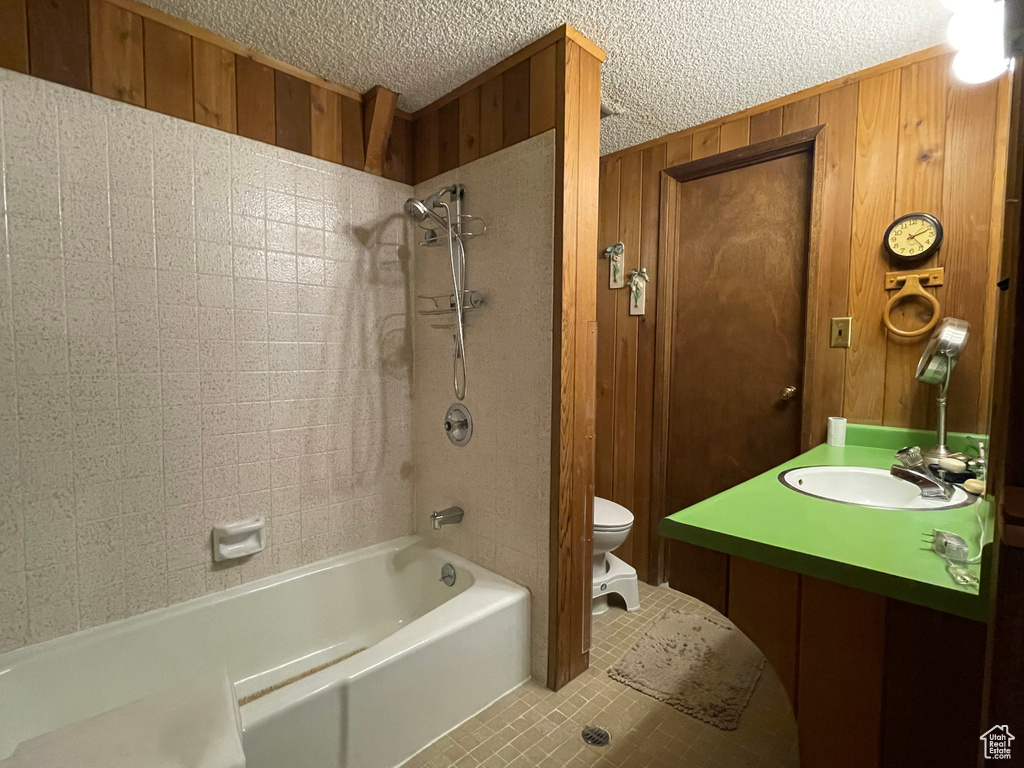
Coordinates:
[240,538]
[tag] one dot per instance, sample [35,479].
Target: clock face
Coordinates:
[914,236]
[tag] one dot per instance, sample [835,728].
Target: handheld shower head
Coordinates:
[418,210]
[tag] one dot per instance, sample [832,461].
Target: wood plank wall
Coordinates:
[509,103]
[901,137]
[132,53]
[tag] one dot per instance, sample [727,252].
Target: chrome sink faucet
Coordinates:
[913,469]
[449,516]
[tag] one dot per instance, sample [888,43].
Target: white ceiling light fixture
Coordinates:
[976,32]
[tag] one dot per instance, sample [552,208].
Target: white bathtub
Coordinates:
[435,655]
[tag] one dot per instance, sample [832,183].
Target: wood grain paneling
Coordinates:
[839,682]
[352,146]
[624,430]
[798,115]
[764,602]
[735,133]
[448,136]
[574,358]
[425,140]
[398,164]
[58,41]
[966,255]
[115,39]
[874,192]
[542,91]
[325,123]
[919,165]
[706,143]
[837,110]
[923,725]
[168,56]
[213,74]
[492,104]
[509,103]
[515,89]
[608,234]
[931,140]
[14,35]
[469,126]
[766,125]
[254,85]
[292,118]
[378,117]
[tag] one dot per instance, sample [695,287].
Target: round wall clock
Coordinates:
[913,236]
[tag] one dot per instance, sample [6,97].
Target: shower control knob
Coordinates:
[788,393]
[458,424]
[451,426]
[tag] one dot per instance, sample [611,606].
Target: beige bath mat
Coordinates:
[700,665]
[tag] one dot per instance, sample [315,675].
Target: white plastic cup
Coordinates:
[836,431]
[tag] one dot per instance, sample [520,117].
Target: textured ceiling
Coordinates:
[671,64]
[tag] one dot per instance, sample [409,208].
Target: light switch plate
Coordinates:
[842,329]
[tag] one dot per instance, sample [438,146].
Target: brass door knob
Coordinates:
[788,393]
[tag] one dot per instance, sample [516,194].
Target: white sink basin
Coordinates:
[866,487]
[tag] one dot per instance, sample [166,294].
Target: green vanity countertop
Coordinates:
[878,550]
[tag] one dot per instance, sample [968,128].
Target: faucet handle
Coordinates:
[910,456]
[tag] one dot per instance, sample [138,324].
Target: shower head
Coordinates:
[417,210]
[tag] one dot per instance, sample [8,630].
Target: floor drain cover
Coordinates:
[595,736]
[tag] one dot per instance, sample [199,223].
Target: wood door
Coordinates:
[739,296]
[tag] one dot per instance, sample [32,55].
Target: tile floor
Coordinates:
[533,727]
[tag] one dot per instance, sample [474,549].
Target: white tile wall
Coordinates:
[502,477]
[194,327]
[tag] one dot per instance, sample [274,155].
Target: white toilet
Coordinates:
[611,527]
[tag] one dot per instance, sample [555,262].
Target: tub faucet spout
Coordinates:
[448,516]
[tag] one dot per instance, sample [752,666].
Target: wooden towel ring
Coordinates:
[911,288]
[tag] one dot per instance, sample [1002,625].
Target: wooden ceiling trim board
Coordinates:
[967,205]
[220,41]
[378,118]
[213,74]
[873,204]
[14,36]
[926,53]
[115,42]
[919,173]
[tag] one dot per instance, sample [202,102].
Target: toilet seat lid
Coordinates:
[609,515]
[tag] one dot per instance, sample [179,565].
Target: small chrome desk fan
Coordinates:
[943,350]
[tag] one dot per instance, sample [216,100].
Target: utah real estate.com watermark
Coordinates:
[997,742]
